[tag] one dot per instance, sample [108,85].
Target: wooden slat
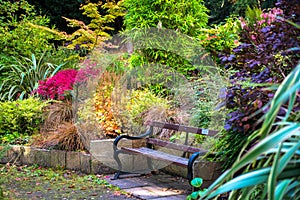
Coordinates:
[158,155]
[171,145]
[183,128]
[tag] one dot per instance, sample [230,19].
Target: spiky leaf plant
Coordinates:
[270,169]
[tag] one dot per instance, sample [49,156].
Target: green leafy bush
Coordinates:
[222,37]
[182,17]
[23,32]
[17,36]
[20,118]
[139,107]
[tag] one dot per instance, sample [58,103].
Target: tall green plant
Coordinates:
[270,169]
[181,16]
[21,80]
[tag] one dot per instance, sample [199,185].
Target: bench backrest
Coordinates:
[180,128]
[183,128]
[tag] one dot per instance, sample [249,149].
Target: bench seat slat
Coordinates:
[171,145]
[159,155]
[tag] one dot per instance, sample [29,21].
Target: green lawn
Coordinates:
[34,182]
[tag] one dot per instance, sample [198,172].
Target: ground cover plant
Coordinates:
[34,182]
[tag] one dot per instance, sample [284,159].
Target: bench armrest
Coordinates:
[144,135]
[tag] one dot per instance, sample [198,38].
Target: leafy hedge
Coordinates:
[17,36]
[20,118]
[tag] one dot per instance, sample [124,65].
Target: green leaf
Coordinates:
[281,188]
[273,174]
[195,195]
[197,182]
[256,177]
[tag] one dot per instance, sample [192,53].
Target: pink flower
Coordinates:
[56,86]
[243,23]
[261,22]
[264,15]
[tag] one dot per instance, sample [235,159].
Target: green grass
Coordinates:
[34,182]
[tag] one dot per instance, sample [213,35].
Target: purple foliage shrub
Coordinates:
[263,57]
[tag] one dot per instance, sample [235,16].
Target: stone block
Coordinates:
[208,171]
[14,155]
[3,154]
[103,151]
[42,157]
[175,170]
[28,157]
[58,159]
[99,168]
[85,163]
[73,160]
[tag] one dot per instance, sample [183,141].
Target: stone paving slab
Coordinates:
[151,192]
[154,187]
[175,197]
[129,183]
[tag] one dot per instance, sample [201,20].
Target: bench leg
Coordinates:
[116,176]
[117,159]
[190,175]
[149,163]
[120,170]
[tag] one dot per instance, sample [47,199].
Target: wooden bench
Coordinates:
[148,150]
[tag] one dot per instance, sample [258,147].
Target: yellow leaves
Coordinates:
[55,34]
[93,34]
[104,106]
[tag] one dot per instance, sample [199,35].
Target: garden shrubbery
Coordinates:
[20,118]
[253,44]
[262,60]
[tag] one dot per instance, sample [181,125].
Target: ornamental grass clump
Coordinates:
[65,137]
[20,80]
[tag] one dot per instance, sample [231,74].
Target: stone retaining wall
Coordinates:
[101,151]
[25,155]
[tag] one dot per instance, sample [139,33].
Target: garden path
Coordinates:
[159,186]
